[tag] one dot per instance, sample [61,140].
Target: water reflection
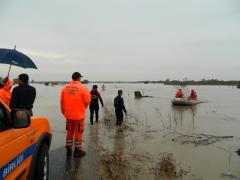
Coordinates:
[182,113]
[63,166]
[72,167]
[93,135]
[119,141]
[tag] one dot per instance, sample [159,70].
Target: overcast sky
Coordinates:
[124,39]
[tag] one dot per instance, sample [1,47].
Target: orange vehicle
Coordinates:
[24,145]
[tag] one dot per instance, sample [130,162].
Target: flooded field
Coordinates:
[156,141]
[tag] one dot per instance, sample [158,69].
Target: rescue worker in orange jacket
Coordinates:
[5,93]
[179,94]
[193,95]
[75,99]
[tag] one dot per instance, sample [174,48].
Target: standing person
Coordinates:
[5,93]
[103,87]
[75,99]
[23,96]
[119,108]
[94,105]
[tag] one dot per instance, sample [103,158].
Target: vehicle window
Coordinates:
[20,118]
[4,120]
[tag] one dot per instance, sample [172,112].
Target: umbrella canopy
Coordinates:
[16,58]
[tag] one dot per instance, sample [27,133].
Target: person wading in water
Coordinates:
[119,108]
[94,105]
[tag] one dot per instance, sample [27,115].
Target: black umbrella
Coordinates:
[15,58]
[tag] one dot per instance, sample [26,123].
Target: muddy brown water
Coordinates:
[152,131]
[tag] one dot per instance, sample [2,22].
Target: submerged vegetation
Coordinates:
[136,166]
[125,161]
[198,139]
[139,95]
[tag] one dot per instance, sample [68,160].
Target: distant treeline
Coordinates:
[166,82]
[203,82]
[182,83]
[47,83]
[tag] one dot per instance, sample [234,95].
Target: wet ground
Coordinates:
[157,141]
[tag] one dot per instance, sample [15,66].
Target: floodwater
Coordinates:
[157,141]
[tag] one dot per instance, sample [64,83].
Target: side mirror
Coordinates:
[20,119]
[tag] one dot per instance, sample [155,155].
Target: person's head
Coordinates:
[76,76]
[95,87]
[7,84]
[5,80]
[120,92]
[180,90]
[192,91]
[23,79]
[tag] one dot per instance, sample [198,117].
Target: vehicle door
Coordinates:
[14,148]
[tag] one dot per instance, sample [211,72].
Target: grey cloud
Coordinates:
[124,40]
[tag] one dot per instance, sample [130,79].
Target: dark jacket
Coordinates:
[119,104]
[95,97]
[23,97]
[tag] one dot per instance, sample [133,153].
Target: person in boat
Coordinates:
[193,95]
[5,93]
[179,94]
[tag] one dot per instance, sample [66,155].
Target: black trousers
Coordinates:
[92,110]
[119,117]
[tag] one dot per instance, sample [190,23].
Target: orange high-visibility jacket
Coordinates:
[5,93]
[75,99]
[179,94]
[193,96]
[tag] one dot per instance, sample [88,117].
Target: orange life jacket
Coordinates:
[193,96]
[75,99]
[5,93]
[179,94]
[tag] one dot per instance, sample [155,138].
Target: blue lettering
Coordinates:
[13,164]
